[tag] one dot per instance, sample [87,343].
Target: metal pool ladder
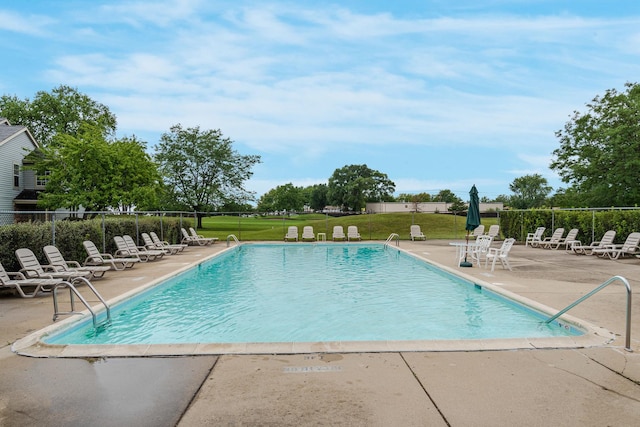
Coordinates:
[602,286]
[235,239]
[73,291]
[391,237]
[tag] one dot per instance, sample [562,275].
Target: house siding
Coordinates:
[12,151]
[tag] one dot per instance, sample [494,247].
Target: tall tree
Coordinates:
[283,197]
[202,169]
[353,185]
[529,191]
[88,171]
[599,153]
[59,112]
[318,197]
[447,196]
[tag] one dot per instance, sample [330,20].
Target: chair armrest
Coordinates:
[75,264]
[16,275]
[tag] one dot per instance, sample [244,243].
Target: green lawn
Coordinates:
[371,227]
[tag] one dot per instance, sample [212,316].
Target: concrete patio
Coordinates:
[586,386]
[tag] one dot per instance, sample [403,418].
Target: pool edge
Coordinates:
[594,336]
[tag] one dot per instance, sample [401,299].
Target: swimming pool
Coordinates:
[266,293]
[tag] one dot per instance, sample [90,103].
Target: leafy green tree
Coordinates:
[352,186]
[283,197]
[88,171]
[529,191]
[446,196]
[59,112]
[414,198]
[599,153]
[135,175]
[202,170]
[318,196]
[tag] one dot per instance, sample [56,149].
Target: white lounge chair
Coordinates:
[494,231]
[630,247]
[190,240]
[338,233]
[415,233]
[535,238]
[607,240]
[478,231]
[164,244]
[307,233]
[501,254]
[569,239]
[207,240]
[150,244]
[352,233]
[16,281]
[292,234]
[31,268]
[57,261]
[94,257]
[555,239]
[141,251]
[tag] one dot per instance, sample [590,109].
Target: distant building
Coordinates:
[424,207]
[19,187]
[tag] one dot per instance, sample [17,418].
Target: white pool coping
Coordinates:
[34,346]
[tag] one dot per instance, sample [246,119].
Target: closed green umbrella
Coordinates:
[473,220]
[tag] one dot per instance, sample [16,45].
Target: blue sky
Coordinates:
[437,94]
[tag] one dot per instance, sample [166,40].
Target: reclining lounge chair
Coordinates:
[16,282]
[57,261]
[607,240]
[31,268]
[308,234]
[415,233]
[352,233]
[95,258]
[164,244]
[535,238]
[630,247]
[292,234]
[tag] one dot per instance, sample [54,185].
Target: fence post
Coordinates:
[104,234]
[53,229]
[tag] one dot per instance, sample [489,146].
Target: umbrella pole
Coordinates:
[466,263]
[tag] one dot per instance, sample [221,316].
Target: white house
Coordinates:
[19,186]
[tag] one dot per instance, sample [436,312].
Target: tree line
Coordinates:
[193,169]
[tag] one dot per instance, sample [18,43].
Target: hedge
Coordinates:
[592,224]
[69,235]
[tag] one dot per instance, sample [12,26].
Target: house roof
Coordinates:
[8,132]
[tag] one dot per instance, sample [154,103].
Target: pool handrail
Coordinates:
[392,236]
[602,286]
[235,239]
[73,291]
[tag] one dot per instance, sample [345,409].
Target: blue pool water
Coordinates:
[309,293]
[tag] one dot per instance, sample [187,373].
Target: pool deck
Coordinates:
[592,386]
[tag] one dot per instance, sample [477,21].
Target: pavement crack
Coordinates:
[435,405]
[605,388]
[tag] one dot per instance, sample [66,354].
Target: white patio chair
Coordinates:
[501,254]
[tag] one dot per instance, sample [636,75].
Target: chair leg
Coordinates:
[493,264]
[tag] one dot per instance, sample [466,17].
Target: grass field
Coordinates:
[371,226]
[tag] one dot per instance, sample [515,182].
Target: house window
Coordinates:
[41,180]
[16,175]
